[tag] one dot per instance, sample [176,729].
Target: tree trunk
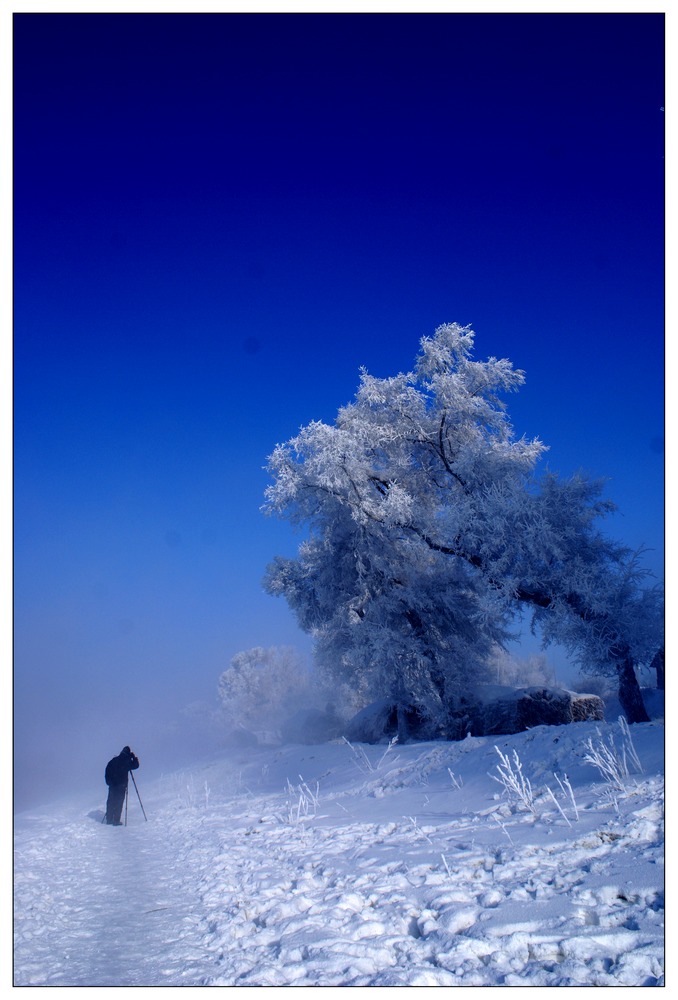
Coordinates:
[629,692]
[402,727]
[658,665]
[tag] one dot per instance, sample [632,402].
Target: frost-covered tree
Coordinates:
[427,522]
[262,686]
[389,619]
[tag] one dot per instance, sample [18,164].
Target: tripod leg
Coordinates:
[139,797]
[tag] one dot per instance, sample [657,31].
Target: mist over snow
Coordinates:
[183,300]
[165,736]
[493,861]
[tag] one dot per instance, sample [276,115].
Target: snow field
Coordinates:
[249,874]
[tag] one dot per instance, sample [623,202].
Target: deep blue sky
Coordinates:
[217,220]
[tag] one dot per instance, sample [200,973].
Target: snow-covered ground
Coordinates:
[335,865]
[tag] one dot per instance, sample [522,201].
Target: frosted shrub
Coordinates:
[514,781]
[628,749]
[363,762]
[605,757]
[360,758]
[302,803]
[613,762]
[510,775]
[263,685]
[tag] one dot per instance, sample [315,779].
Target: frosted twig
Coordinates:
[413,821]
[566,788]
[313,796]
[457,782]
[360,757]
[628,744]
[613,800]
[388,749]
[499,823]
[558,806]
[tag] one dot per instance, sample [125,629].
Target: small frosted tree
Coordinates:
[262,686]
[516,671]
[423,509]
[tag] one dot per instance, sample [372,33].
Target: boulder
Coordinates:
[491,711]
[585,707]
[515,710]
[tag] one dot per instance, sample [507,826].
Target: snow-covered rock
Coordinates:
[493,710]
[506,710]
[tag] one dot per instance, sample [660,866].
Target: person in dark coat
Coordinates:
[116,777]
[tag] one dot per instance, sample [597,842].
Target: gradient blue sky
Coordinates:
[217,220]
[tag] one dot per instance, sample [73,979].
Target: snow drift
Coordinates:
[356,865]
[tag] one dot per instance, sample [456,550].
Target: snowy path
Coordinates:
[393,877]
[106,905]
